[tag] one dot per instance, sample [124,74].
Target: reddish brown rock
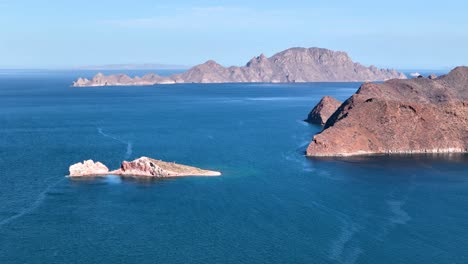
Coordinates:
[142,167]
[400,116]
[323,110]
[156,168]
[88,167]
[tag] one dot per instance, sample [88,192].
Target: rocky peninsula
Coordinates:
[289,66]
[421,115]
[141,167]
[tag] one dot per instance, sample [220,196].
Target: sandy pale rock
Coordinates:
[88,167]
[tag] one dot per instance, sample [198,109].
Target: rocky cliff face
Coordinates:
[142,167]
[400,116]
[292,65]
[323,110]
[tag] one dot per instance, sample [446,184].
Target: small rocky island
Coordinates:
[289,66]
[421,115]
[323,110]
[141,167]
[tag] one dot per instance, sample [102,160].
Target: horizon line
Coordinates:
[187,67]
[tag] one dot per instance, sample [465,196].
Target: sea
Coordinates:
[271,204]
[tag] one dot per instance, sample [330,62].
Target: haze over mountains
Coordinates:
[131,66]
[289,66]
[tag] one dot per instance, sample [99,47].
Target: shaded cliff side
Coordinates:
[323,110]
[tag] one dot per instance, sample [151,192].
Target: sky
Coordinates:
[396,34]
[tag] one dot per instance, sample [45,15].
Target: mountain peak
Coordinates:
[211,63]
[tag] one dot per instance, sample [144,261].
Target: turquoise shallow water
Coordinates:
[272,205]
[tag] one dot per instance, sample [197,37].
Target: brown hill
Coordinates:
[400,116]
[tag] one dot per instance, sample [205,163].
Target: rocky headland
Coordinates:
[323,110]
[421,115]
[141,167]
[289,66]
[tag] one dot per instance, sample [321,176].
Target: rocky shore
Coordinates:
[421,115]
[141,167]
[289,66]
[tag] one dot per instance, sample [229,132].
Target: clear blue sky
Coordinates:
[399,34]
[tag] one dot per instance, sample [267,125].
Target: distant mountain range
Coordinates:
[144,66]
[289,66]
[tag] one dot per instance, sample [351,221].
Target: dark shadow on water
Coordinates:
[399,162]
[403,158]
[115,179]
[391,169]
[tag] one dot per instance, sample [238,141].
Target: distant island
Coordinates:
[421,115]
[295,65]
[141,167]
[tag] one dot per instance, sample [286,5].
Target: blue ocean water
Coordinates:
[272,205]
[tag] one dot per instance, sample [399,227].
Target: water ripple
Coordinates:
[342,249]
[40,198]
[129,144]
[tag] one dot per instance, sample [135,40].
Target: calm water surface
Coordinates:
[272,205]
